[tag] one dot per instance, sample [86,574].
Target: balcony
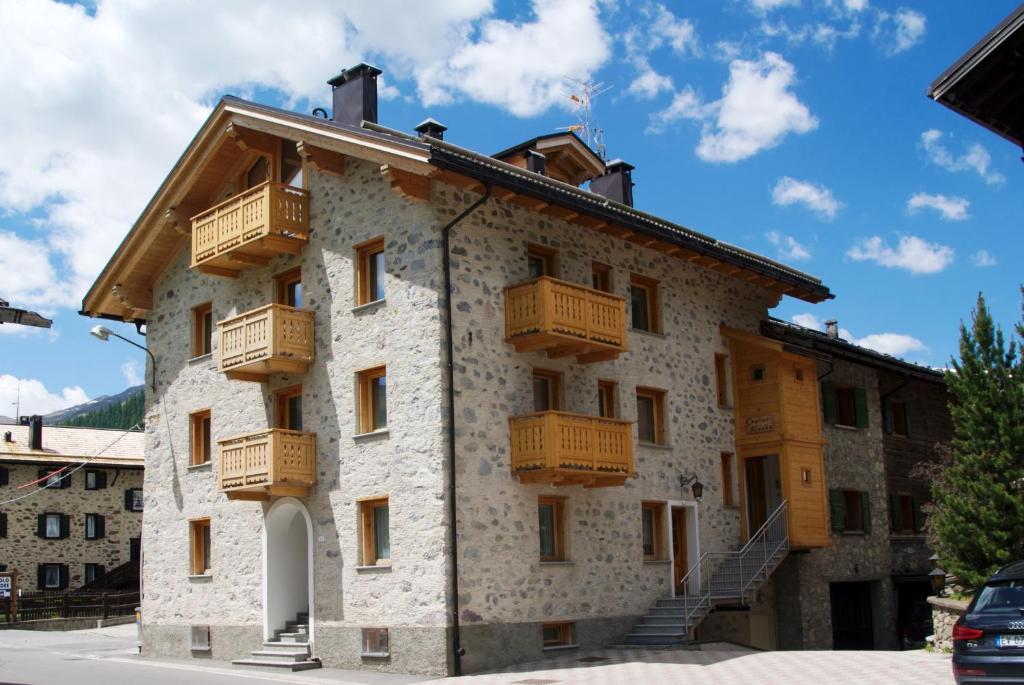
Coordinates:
[250,228]
[272,339]
[560,448]
[271,463]
[565,319]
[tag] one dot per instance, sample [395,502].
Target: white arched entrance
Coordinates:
[287,565]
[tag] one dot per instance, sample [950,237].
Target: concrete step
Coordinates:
[293,637]
[282,655]
[655,638]
[661,619]
[283,664]
[659,628]
[285,647]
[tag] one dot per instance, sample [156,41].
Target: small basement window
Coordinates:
[561,634]
[376,642]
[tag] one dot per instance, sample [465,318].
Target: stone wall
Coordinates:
[945,612]
[22,550]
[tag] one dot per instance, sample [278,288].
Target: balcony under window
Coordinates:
[270,463]
[275,338]
[561,448]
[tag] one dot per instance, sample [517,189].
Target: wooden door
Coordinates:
[680,563]
[757,497]
[852,622]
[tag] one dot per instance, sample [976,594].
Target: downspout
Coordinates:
[452,508]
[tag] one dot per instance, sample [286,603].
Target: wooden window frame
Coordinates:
[62,524]
[97,571]
[722,381]
[200,437]
[650,288]
[368,531]
[99,527]
[659,547]
[201,337]
[282,407]
[283,281]
[601,277]
[557,505]
[566,634]
[369,641]
[546,255]
[846,399]
[199,534]
[554,379]
[607,399]
[658,398]
[365,253]
[99,477]
[367,414]
[728,461]
[898,419]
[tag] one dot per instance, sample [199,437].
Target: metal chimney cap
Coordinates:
[618,165]
[429,123]
[361,69]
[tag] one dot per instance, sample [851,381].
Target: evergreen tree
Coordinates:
[978,518]
[123,415]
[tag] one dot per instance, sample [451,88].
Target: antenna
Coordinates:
[582,95]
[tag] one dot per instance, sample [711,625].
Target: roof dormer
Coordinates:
[564,157]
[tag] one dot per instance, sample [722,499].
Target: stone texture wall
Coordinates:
[945,612]
[22,550]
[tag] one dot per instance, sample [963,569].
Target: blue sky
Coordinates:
[795,128]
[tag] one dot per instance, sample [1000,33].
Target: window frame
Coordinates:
[368,531]
[649,287]
[601,277]
[130,504]
[658,546]
[200,546]
[97,570]
[546,256]
[200,437]
[659,428]
[728,461]
[898,418]
[365,254]
[607,399]
[558,530]
[283,407]
[282,284]
[722,378]
[554,381]
[368,642]
[99,526]
[60,572]
[565,631]
[202,329]
[367,419]
[99,475]
[60,518]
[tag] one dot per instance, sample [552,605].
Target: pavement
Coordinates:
[110,655]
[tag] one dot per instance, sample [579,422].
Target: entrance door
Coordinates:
[680,563]
[287,553]
[757,496]
[851,616]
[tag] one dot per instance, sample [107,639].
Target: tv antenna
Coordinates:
[582,95]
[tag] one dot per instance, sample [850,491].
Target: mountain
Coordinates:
[123,410]
[7,421]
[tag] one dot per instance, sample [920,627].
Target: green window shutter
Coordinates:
[887,424]
[906,418]
[918,516]
[895,513]
[865,511]
[828,401]
[838,510]
[860,406]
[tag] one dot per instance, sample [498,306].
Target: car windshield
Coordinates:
[1005,597]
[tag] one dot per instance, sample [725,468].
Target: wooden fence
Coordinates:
[38,605]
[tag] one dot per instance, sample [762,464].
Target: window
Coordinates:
[906,514]
[375,515]
[551,527]
[896,417]
[92,572]
[373,402]
[95,480]
[728,488]
[601,276]
[540,261]
[851,511]
[652,516]
[52,576]
[375,642]
[95,527]
[289,408]
[133,499]
[370,271]
[258,173]
[289,288]
[650,416]
[55,478]
[844,406]
[291,165]
[757,373]
[3,525]
[200,538]
[722,380]
[559,634]
[5,476]
[547,390]
[607,392]
[202,441]
[643,301]
[202,329]
[53,526]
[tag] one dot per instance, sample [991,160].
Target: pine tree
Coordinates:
[978,518]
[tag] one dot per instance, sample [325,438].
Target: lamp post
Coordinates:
[103,333]
[937,576]
[695,486]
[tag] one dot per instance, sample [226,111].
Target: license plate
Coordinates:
[1009,640]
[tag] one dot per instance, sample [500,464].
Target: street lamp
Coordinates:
[697,487]
[104,333]
[937,576]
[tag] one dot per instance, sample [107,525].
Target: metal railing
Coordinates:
[728,575]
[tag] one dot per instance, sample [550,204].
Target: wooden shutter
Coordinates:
[65,577]
[101,526]
[41,526]
[906,419]
[828,401]
[3,525]
[895,513]
[887,424]
[101,480]
[918,515]
[865,511]
[41,576]
[128,499]
[838,510]
[65,526]
[4,476]
[860,406]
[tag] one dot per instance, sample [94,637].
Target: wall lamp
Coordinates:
[104,333]
[937,576]
[694,484]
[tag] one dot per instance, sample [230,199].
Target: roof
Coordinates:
[986,84]
[810,339]
[64,444]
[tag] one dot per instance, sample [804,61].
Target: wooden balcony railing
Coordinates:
[565,319]
[272,339]
[561,448]
[274,462]
[250,228]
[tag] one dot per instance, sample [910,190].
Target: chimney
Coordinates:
[8,437]
[535,161]
[24,420]
[432,128]
[355,95]
[832,329]
[35,432]
[616,183]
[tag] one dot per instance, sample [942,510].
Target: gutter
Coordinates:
[453,540]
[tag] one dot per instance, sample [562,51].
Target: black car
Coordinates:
[988,641]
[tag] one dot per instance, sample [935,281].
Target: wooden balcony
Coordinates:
[250,228]
[274,462]
[560,448]
[272,339]
[565,319]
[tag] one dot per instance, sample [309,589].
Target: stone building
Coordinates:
[416,408]
[70,503]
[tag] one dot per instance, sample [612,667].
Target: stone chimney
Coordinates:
[35,433]
[355,95]
[616,183]
[535,161]
[832,329]
[431,128]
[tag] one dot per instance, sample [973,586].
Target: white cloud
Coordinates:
[757,110]
[808,320]
[976,158]
[761,6]
[819,33]
[951,208]
[27,276]
[656,27]
[817,198]
[649,84]
[34,397]
[787,247]
[912,254]
[898,32]
[983,259]
[855,5]
[130,370]
[896,344]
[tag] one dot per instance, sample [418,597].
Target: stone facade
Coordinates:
[945,612]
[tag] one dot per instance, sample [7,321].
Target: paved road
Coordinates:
[108,657]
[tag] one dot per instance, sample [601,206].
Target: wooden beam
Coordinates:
[133,296]
[321,159]
[248,495]
[247,139]
[216,270]
[179,218]
[247,259]
[503,194]
[406,184]
[246,376]
[602,356]
[530,202]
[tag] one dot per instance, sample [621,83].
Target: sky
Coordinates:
[798,129]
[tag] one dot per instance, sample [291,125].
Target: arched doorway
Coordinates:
[287,565]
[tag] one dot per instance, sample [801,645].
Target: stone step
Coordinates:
[281,654]
[282,664]
[292,637]
[659,628]
[655,638]
[658,620]
[285,647]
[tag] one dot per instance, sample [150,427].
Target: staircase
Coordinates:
[289,650]
[716,578]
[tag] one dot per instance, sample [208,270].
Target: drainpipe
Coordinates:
[452,508]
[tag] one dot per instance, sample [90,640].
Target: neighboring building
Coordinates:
[87,518]
[883,417]
[310,471]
